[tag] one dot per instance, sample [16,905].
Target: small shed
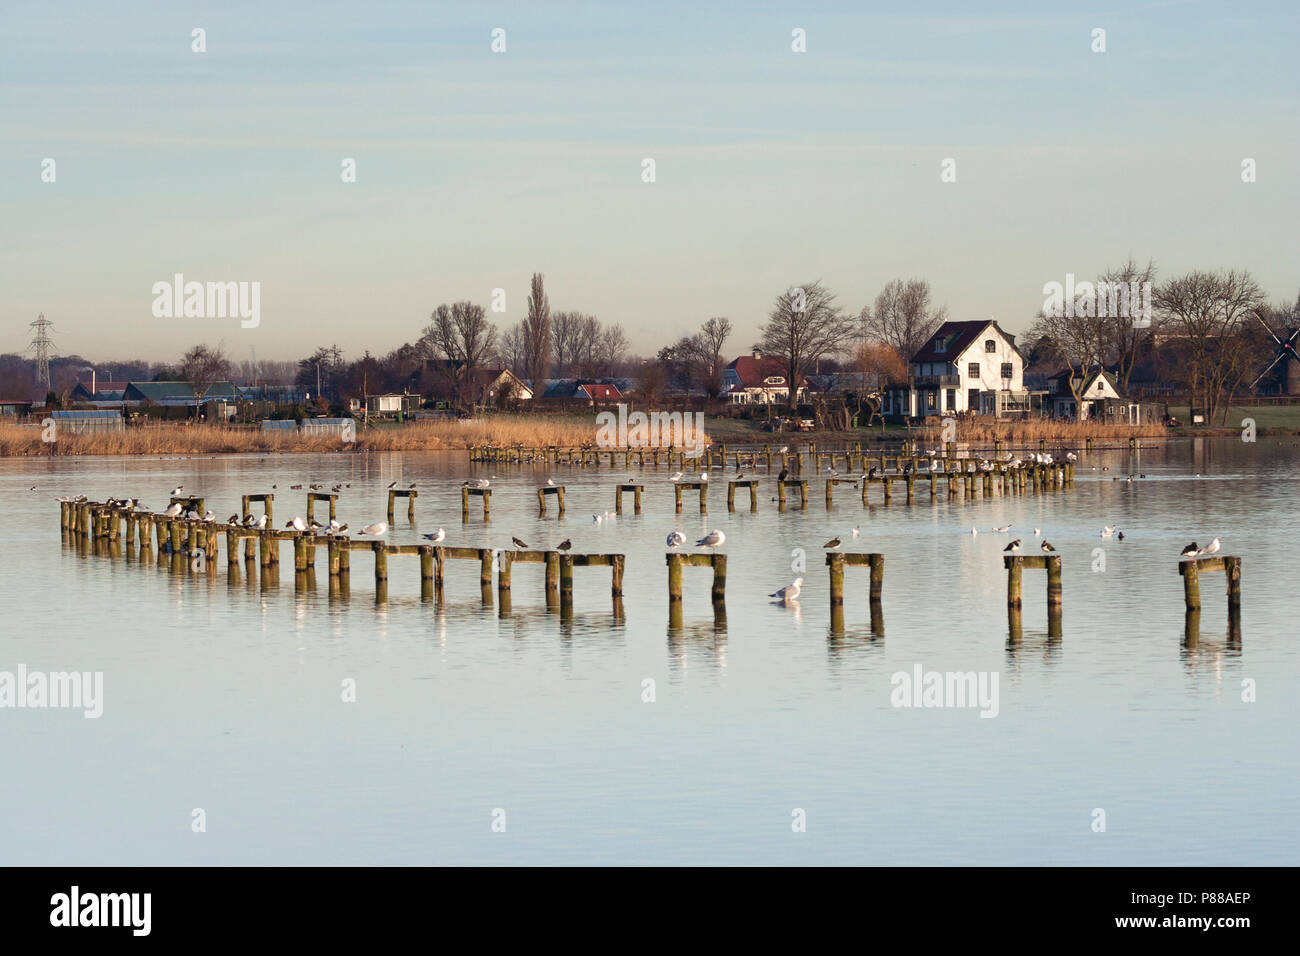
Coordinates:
[337,427]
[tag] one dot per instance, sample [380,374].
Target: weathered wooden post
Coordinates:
[552,576]
[381,561]
[1054,589]
[677,496]
[1015,572]
[616,575]
[835,560]
[719,592]
[503,575]
[674,577]
[333,553]
[566,578]
[1191,584]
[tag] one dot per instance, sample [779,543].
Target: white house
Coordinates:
[1099,393]
[756,380]
[965,367]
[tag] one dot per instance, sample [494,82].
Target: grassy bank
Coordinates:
[178,439]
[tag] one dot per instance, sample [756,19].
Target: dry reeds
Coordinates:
[190,439]
[1046,429]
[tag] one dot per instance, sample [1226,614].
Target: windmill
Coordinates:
[1285,352]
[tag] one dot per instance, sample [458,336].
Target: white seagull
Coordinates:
[675,476]
[550,482]
[1108,531]
[376,529]
[712,540]
[437,536]
[261,523]
[676,539]
[788,593]
[1211,548]
[1002,529]
[296,523]
[174,510]
[177,490]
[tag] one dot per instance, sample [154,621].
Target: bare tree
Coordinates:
[575,338]
[463,336]
[203,366]
[1078,341]
[537,335]
[903,316]
[512,349]
[804,325]
[1124,329]
[1209,311]
[611,349]
[709,343]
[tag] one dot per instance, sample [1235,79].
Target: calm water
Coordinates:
[224,696]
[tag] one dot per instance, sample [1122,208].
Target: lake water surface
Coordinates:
[223,695]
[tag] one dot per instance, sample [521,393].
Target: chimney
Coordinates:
[758,355]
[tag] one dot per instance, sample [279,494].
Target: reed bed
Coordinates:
[1044,430]
[178,439]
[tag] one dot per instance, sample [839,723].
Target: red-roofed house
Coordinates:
[598,392]
[758,380]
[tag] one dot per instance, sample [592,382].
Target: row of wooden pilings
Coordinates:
[966,483]
[197,544]
[719,456]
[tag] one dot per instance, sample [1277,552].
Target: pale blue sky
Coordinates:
[476,169]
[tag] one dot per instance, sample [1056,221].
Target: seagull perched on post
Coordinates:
[376,529]
[1212,547]
[675,476]
[177,490]
[550,482]
[676,539]
[296,523]
[261,523]
[788,593]
[712,540]
[437,536]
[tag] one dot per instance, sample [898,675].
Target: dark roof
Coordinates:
[162,391]
[753,371]
[955,337]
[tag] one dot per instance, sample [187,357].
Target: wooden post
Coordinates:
[392,498]
[1232,570]
[541,501]
[836,560]
[566,579]
[677,495]
[1015,569]
[674,577]
[464,504]
[552,575]
[719,577]
[1053,584]
[877,577]
[486,560]
[381,561]
[1191,585]
[333,551]
[503,576]
[616,575]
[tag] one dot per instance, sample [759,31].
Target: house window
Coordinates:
[973,370]
[930,402]
[1006,370]
[952,399]
[990,345]
[941,345]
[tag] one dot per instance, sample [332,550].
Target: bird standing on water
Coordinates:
[788,593]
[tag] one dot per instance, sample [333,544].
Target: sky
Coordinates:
[475,168]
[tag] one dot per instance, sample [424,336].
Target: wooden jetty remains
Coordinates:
[543,491]
[678,560]
[410,494]
[701,486]
[1192,569]
[484,493]
[636,497]
[1015,565]
[798,483]
[98,526]
[751,484]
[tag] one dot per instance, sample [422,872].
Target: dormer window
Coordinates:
[990,345]
[941,345]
